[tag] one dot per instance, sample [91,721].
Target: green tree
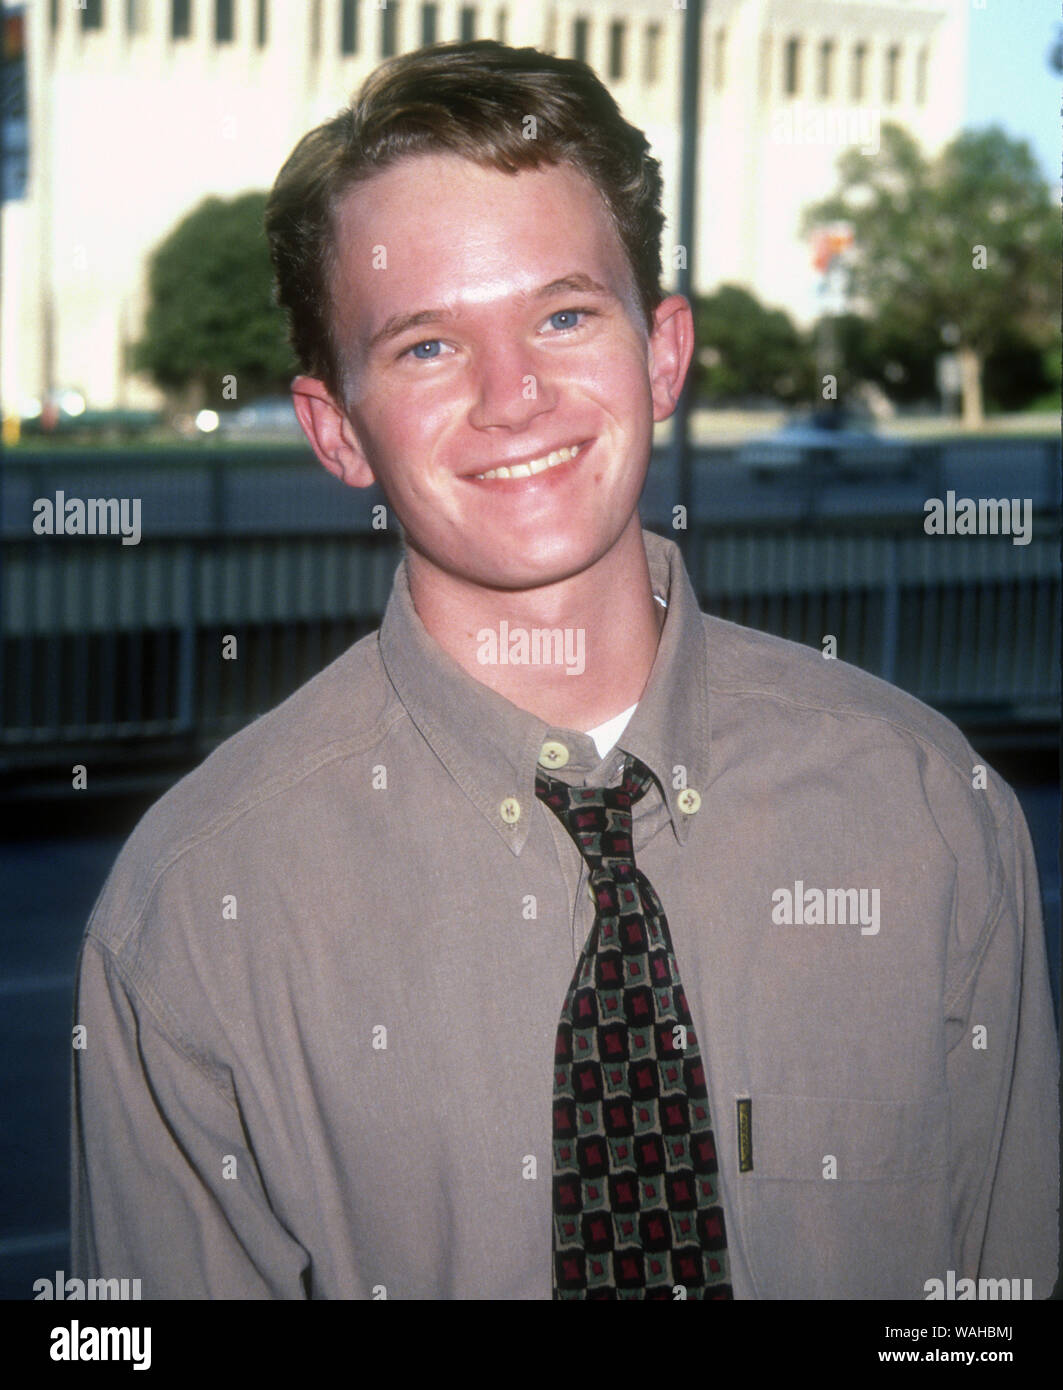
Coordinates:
[211,312]
[745,350]
[959,251]
[902,366]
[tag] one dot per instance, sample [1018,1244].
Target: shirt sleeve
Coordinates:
[164,1186]
[1003,1079]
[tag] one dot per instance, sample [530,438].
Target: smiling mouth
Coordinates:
[539,465]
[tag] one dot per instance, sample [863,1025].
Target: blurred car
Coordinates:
[835,436]
[65,411]
[271,417]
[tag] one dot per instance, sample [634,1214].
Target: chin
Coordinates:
[548,564]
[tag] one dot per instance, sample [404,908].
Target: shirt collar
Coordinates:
[491,747]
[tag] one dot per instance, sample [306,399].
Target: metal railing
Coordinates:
[105,644]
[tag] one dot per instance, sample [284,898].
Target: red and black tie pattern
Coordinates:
[637,1208]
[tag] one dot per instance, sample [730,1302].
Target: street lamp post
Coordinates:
[687,229]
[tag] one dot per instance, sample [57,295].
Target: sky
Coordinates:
[1010,82]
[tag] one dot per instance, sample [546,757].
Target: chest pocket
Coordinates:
[846,1198]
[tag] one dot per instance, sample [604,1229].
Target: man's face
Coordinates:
[489,321]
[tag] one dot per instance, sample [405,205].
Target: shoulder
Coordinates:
[799,686]
[251,788]
[844,749]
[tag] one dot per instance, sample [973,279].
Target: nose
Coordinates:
[510,388]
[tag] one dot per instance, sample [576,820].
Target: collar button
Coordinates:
[553,754]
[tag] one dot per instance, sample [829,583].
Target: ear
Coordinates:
[671,346]
[330,432]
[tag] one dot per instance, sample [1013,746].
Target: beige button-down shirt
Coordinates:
[322,983]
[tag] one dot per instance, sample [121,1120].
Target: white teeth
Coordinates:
[527,470]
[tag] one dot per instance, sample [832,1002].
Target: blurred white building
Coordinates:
[138,109]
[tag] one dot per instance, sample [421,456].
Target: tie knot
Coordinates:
[598,818]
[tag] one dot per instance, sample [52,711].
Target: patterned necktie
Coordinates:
[636,1202]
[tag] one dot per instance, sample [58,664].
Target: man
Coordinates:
[356,1026]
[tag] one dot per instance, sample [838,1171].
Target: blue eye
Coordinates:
[569,314]
[415,351]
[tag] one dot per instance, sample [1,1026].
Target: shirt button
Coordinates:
[510,810]
[689,801]
[590,894]
[553,754]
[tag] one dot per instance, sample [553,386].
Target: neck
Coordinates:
[574,653]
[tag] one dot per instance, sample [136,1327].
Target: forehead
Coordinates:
[447,231]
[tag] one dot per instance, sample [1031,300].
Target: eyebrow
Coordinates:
[398,324]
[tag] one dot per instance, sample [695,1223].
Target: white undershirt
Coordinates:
[606,735]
